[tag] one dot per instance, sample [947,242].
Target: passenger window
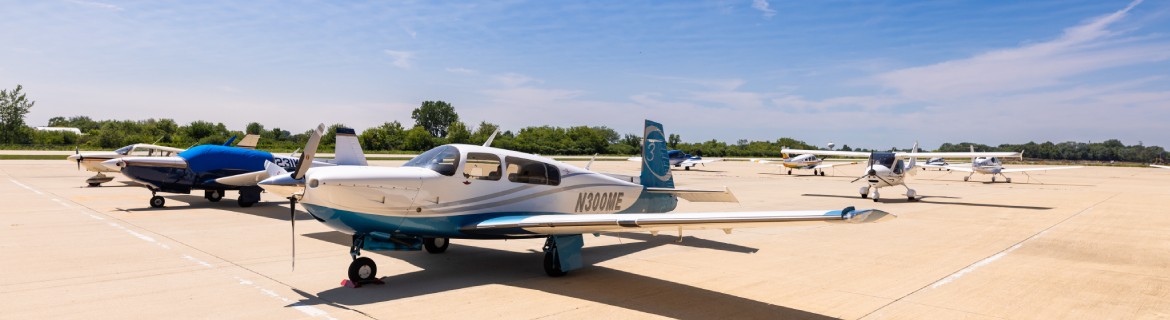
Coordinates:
[534,172]
[482,166]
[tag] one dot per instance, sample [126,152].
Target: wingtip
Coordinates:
[868,216]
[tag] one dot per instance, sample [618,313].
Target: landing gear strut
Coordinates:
[362,270]
[552,261]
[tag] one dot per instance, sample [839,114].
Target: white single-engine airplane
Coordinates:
[993,166]
[479,192]
[92,161]
[887,169]
[805,161]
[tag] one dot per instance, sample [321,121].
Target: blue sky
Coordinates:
[874,74]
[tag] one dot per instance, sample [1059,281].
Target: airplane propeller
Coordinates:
[302,168]
[292,218]
[871,173]
[77,151]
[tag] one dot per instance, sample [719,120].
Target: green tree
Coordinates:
[435,117]
[254,128]
[418,139]
[673,140]
[330,137]
[13,106]
[458,133]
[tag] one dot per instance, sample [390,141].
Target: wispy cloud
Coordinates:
[763,6]
[461,70]
[402,59]
[1081,49]
[515,79]
[98,5]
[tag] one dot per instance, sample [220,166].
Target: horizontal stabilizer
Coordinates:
[698,195]
[243,179]
[249,141]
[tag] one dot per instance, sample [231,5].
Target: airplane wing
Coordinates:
[956,154]
[1157,166]
[1038,169]
[563,224]
[692,163]
[827,153]
[635,159]
[956,168]
[243,179]
[826,165]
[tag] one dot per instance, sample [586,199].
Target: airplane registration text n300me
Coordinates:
[599,201]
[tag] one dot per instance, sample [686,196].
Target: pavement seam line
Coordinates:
[994,256]
[306,309]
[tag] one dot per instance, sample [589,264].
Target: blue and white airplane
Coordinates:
[216,168]
[478,192]
[681,159]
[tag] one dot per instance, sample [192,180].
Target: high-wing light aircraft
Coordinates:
[92,161]
[479,192]
[805,161]
[887,169]
[681,159]
[215,169]
[993,166]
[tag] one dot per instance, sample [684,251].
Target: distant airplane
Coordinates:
[887,169]
[216,168]
[92,161]
[993,166]
[681,159]
[939,163]
[805,161]
[1158,166]
[479,192]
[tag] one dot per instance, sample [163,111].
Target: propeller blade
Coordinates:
[77,151]
[310,150]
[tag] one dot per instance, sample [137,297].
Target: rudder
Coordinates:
[655,163]
[348,151]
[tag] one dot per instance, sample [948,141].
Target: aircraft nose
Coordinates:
[114,164]
[74,157]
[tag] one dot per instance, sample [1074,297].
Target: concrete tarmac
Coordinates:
[1090,243]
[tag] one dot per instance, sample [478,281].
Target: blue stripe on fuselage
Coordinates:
[443,226]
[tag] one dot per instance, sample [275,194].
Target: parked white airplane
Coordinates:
[479,192]
[887,169]
[805,161]
[993,166]
[92,161]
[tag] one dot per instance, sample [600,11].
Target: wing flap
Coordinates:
[587,223]
[698,195]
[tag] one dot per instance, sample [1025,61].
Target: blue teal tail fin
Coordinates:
[655,163]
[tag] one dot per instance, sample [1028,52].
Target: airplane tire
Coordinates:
[245,204]
[822,173]
[552,264]
[436,245]
[157,201]
[362,270]
[863,196]
[966,178]
[687,168]
[213,195]
[1009,180]
[94,184]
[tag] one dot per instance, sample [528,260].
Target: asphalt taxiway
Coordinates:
[1088,243]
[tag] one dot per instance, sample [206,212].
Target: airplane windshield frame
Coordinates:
[885,159]
[442,159]
[124,150]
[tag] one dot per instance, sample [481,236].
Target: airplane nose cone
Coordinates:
[114,164]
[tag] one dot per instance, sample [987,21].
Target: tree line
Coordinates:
[436,123]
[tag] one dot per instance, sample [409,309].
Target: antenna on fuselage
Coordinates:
[488,143]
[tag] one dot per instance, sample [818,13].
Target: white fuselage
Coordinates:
[422,200]
[987,165]
[92,161]
[804,161]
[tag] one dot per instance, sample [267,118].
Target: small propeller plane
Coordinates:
[994,166]
[805,161]
[92,161]
[681,159]
[216,168]
[888,169]
[479,192]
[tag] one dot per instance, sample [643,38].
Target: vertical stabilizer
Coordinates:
[347,151]
[249,141]
[655,163]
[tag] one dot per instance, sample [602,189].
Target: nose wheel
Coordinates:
[362,270]
[157,201]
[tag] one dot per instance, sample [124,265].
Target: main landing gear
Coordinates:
[98,180]
[436,245]
[552,263]
[911,195]
[213,195]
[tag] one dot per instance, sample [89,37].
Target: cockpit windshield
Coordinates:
[441,159]
[124,150]
[885,159]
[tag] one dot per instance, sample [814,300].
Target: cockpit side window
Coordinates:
[482,166]
[898,167]
[441,159]
[529,171]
